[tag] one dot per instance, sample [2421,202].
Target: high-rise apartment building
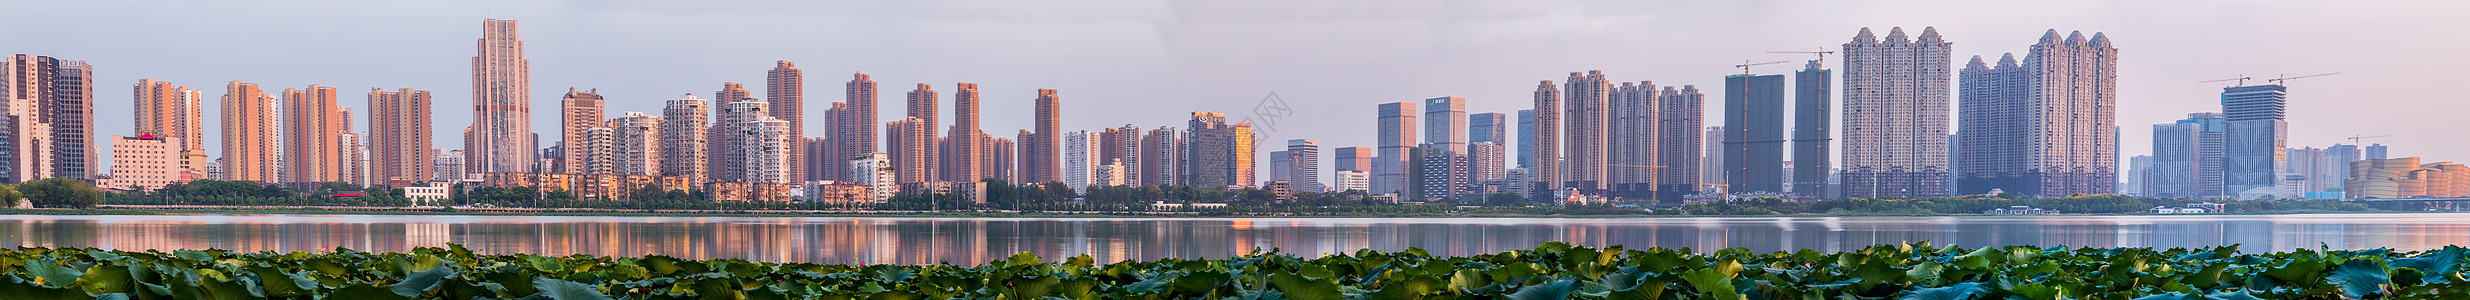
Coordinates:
[1444,175]
[906,142]
[2309,169]
[1586,134]
[2255,138]
[1895,116]
[500,138]
[964,145]
[578,112]
[1304,165]
[1754,133]
[1679,143]
[1631,149]
[1545,167]
[2377,151]
[997,159]
[249,134]
[1163,151]
[173,112]
[2340,157]
[785,87]
[399,137]
[1713,170]
[685,131]
[742,145]
[635,144]
[1038,150]
[311,123]
[1484,161]
[1396,136]
[1079,163]
[852,126]
[1812,124]
[2046,126]
[449,166]
[1122,145]
[48,119]
[2139,173]
[922,102]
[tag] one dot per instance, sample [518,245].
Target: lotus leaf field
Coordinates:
[1549,271]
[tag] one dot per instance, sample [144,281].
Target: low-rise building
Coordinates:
[433,195]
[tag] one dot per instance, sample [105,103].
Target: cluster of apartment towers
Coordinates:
[2043,124]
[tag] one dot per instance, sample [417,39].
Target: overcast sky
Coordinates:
[1148,63]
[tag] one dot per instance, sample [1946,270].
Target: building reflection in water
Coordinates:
[971,241]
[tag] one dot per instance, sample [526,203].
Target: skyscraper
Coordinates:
[1488,127]
[2341,156]
[500,138]
[964,145]
[1631,149]
[399,137]
[2256,137]
[1357,159]
[685,131]
[1812,122]
[635,144]
[1396,136]
[1713,170]
[785,87]
[311,123]
[1484,162]
[1587,137]
[1526,138]
[1445,174]
[922,103]
[449,166]
[764,143]
[249,134]
[1038,152]
[1680,142]
[1163,151]
[2046,126]
[998,159]
[1545,167]
[2376,151]
[1304,171]
[1445,124]
[1754,133]
[171,111]
[580,111]
[1895,116]
[742,148]
[1211,152]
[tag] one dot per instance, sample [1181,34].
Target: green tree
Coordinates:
[9,195]
[62,192]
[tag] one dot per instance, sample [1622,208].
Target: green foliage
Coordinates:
[62,193]
[1550,271]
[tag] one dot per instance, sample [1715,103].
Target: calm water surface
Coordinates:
[970,241]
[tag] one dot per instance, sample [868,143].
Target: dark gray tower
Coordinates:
[1813,119]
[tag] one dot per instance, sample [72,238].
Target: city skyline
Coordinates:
[2146,97]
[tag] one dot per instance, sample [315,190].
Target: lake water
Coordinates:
[972,241]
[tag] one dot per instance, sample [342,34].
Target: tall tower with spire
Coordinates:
[1895,116]
[2045,125]
[501,138]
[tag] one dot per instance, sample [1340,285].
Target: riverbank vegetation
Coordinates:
[1550,271]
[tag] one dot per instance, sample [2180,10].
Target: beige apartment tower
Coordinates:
[785,87]
[578,112]
[311,124]
[964,145]
[248,137]
[174,112]
[399,135]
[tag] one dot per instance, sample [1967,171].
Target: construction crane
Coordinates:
[1822,54]
[2354,139]
[2241,79]
[1745,65]
[2285,78]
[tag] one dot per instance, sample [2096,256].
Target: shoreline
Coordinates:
[124,211]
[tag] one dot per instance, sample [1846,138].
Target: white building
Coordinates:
[431,195]
[1353,180]
[1079,164]
[875,171]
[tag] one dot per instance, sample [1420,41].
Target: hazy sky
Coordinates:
[1147,63]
